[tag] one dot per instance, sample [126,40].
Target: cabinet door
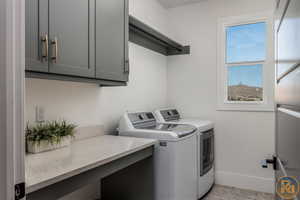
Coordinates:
[71,34]
[287,143]
[36,43]
[288,39]
[112,40]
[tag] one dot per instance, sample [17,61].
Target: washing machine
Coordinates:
[175,170]
[205,146]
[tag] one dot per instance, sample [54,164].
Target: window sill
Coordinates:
[245,108]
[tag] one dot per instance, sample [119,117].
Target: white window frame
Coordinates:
[268,68]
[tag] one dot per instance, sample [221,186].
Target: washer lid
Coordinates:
[181,130]
[202,125]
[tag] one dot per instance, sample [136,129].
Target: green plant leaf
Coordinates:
[50,131]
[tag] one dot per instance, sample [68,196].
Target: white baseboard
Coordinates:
[245,181]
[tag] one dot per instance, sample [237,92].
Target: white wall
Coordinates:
[242,138]
[88,104]
[150,12]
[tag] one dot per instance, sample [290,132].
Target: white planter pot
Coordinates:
[42,146]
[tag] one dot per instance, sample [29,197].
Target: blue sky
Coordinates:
[250,75]
[246,43]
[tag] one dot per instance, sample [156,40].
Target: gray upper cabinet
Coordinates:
[112,39]
[37,35]
[83,40]
[71,37]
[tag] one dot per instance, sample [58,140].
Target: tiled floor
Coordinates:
[230,193]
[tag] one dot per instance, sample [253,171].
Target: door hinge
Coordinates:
[20,191]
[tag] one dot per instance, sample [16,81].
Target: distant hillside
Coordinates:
[244,93]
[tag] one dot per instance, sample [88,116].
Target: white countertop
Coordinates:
[50,167]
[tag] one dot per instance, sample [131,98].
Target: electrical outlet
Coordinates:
[39,114]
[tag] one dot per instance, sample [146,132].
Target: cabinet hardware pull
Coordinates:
[44,40]
[54,50]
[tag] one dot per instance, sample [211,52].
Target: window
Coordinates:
[244,62]
[245,57]
[245,83]
[246,43]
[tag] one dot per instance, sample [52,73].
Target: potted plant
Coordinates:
[49,135]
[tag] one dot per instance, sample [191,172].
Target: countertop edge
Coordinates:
[38,186]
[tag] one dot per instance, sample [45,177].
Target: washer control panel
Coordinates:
[170,115]
[142,119]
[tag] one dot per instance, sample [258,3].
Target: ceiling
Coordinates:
[176,3]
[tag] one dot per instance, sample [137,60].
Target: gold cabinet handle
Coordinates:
[54,50]
[44,50]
